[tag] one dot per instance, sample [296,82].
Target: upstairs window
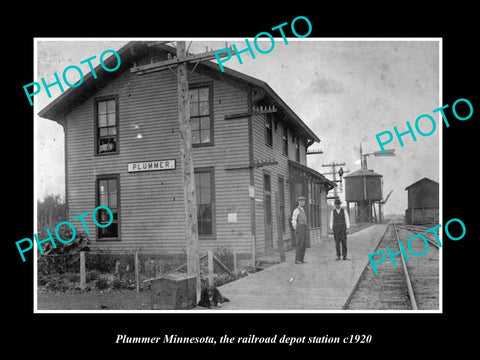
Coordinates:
[268,130]
[297,148]
[106,119]
[201,114]
[285,140]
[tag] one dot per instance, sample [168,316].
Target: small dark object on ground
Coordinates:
[210,296]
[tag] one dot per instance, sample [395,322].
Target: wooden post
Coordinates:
[210,267]
[254,252]
[83,277]
[191,228]
[380,212]
[137,280]
[279,229]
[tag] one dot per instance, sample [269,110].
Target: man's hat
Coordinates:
[337,202]
[301,198]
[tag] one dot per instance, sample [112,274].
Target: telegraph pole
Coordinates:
[191,228]
[333,166]
[188,176]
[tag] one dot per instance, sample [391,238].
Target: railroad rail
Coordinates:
[411,294]
[413,285]
[415,230]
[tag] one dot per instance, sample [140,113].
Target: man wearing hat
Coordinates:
[340,222]
[299,223]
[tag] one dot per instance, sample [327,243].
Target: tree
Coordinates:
[50,212]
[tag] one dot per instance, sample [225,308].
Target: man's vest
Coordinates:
[301,218]
[339,219]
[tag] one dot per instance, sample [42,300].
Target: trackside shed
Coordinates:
[423,202]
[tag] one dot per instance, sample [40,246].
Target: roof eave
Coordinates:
[72,97]
[259,83]
[330,184]
[419,181]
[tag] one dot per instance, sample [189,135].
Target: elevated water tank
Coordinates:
[363,185]
[364,188]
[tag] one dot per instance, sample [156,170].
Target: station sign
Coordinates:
[151,165]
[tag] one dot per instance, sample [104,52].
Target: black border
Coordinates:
[393,333]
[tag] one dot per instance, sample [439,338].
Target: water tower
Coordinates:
[364,188]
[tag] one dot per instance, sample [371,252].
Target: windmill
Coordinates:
[363,157]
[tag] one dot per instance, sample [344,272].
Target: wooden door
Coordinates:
[267,203]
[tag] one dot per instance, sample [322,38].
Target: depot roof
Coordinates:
[135,50]
[330,184]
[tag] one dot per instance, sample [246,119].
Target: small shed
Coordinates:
[423,202]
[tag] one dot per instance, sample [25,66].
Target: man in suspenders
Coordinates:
[340,222]
[299,223]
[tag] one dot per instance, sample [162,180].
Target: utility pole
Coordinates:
[333,166]
[188,176]
[191,226]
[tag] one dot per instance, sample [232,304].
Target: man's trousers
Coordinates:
[340,236]
[301,242]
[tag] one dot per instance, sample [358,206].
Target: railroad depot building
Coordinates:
[122,150]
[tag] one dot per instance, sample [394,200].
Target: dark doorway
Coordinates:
[267,201]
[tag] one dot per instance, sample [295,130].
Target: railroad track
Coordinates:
[417,230]
[408,282]
[423,270]
[411,285]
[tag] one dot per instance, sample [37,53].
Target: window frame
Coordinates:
[211,170]
[285,140]
[209,85]
[268,133]
[297,148]
[96,129]
[315,204]
[97,203]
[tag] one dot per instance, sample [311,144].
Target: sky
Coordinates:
[345,90]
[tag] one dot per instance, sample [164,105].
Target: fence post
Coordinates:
[210,267]
[137,280]
[83,277]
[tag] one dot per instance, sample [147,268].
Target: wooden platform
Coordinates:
[320,284]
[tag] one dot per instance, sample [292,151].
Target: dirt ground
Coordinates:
[94,300]
[109,299]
